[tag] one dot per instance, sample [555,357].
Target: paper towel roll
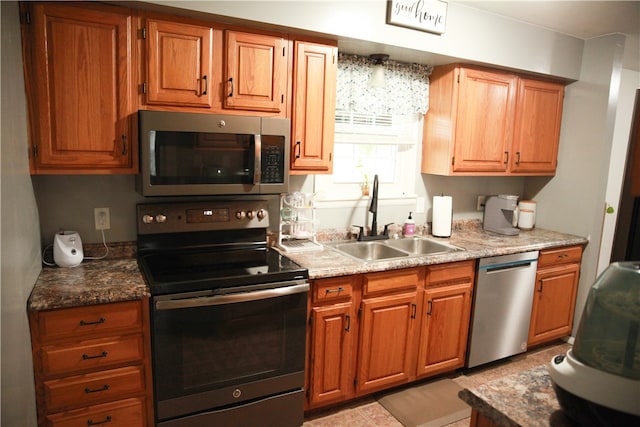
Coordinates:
[442,209]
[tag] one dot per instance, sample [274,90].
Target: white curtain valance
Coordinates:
[406,90]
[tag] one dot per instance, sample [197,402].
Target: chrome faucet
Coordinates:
[373,208]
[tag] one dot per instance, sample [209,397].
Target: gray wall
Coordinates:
[20,251]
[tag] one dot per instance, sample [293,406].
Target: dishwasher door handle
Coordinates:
[506,267]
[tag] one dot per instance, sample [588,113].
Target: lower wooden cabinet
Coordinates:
[447,311]
[92,365]
[373,331]
[331,340]
[554,296]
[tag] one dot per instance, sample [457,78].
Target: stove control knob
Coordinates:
[251,214]
[240,215]
[261,214]
[161,218]
[147,219]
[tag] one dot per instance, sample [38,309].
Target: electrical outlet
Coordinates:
[480,203]
[102,218]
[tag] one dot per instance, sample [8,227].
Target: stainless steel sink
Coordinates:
[421,246]
[393,248]
[369,251]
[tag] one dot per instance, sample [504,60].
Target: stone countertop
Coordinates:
[92,282]
[524,399]
[476,242]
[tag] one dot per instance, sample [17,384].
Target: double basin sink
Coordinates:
[379,250]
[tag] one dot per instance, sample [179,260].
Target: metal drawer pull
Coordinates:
[231,81]
[430,307]
[95,423]
[563,256]
[97,322]
[333,291]
[414,311]
[206,84]
[87,357]
[88,390]
[348,327]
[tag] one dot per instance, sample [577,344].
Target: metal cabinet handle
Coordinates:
[95,423]
[231,81]
[333,291]
[517,158]
[124,144]
[87,357]
[430,305]
[206,84]
[97,322]
[348,327]
[540,287]
[506,160]
[414,310]
[298,149]
[88,390]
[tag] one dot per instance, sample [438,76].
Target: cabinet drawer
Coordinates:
[337,288]
[560,256]
[395,280]
[123,413]
[451,273]
[88,321]
[83,390]
[91,354]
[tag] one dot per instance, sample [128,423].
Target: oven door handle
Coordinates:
[231,298]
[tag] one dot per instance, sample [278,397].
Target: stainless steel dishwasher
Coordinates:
[502,307]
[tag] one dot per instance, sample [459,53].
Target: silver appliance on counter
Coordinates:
[499,214]
[502,307]
[598,381]
[228,316]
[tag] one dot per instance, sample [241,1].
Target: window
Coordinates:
[370,144]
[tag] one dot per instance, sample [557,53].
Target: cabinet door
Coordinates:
[314,104]
[81,89]
[537,127]
[385,351]
[179,64]
[332,344]
[443,340]
[553,303]
[484,121]
[256,76]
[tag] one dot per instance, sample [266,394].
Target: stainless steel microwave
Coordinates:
[188,154]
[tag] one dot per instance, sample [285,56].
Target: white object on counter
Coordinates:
[526,214]
[442,216]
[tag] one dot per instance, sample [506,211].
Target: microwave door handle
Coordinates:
[257,160]
[231,298]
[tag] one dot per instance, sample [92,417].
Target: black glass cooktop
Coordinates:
[178,271]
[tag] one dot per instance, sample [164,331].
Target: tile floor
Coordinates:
[368,412]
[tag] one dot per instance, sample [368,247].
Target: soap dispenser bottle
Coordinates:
[409,228]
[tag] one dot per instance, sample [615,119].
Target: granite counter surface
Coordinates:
[92,282]
[475,242]
[524,399]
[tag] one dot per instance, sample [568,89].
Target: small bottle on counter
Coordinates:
[409,228]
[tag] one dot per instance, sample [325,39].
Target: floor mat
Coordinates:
[432,404]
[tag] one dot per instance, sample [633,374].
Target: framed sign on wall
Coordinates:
[423,15]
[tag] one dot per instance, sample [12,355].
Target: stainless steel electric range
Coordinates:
[228,316]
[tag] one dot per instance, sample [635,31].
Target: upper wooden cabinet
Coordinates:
[79,81]
[314,107]
[179,64]
[256,73]
[488,122]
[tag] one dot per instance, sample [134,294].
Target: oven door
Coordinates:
[228,348]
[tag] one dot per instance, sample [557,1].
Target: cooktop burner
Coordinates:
[185,247]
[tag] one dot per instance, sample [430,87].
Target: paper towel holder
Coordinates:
[442,216]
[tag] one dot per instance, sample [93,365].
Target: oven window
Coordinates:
[208,348]
[201,158]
